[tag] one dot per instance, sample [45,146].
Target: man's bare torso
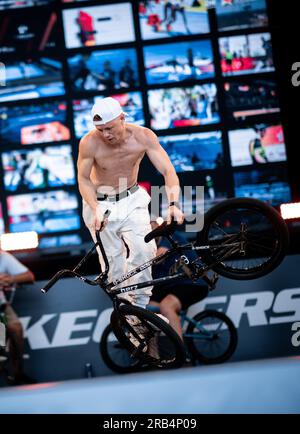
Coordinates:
[116,168]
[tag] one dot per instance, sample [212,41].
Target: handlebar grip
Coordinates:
[162,230]
[105,215]
[52,281]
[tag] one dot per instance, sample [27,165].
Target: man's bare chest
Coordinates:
[118,158]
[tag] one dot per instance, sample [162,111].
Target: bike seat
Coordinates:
[162,231]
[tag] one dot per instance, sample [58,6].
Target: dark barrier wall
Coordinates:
[63,327]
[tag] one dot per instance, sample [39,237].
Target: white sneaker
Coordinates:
[132,320]
[136,342]
[140,330]
[152,347]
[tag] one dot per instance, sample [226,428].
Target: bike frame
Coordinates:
[108,287]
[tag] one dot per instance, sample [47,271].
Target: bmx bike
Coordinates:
[242,239]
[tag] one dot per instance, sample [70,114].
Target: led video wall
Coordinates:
[202,78]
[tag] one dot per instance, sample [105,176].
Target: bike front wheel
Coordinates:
[245,239]
[211,337]
[115,355]
[147,337]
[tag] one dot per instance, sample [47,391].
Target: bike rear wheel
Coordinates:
[247,239]
[211,337]
[115,355]
[147,337]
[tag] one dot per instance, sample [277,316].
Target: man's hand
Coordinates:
[176,213]
[99,218]
[6,281]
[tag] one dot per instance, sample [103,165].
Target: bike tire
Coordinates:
[171,348]
[200,343]
[266,241]
[115,355]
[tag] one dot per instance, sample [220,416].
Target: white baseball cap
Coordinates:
[107,109]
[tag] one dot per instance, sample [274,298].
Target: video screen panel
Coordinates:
[241,14]
[1,221]
[60,241]
[258,145]
[131,103]
[249,98]
[264,184]
[23,33]
[18,4]
[183,107]
[29,79]
[246,54]
[52,211]
[104,70]
[166,19]
[98,25]
[181,61]
[191,152]
[38,168]
[35,123]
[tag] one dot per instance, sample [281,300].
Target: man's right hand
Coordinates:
[99,218]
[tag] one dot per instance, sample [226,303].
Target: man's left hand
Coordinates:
[176,213]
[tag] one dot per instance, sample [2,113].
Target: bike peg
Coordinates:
[107,213]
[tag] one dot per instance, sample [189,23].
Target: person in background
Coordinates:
[107,76]
[257,150]
[126,74]
[173,297]
[12,273]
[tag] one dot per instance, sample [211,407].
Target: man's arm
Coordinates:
[10,279]
[15,271]
[84,166]
[86,187]
[162,163]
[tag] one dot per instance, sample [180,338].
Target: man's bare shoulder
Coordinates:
[88,143]
[143,134]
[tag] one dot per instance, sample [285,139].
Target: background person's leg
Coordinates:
[170,307]
[15,333]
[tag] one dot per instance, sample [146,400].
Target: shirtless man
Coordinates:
[108,165]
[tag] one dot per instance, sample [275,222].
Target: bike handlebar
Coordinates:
[165,229]
[61,273]
[54,279]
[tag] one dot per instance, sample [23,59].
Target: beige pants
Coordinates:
[128,223]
